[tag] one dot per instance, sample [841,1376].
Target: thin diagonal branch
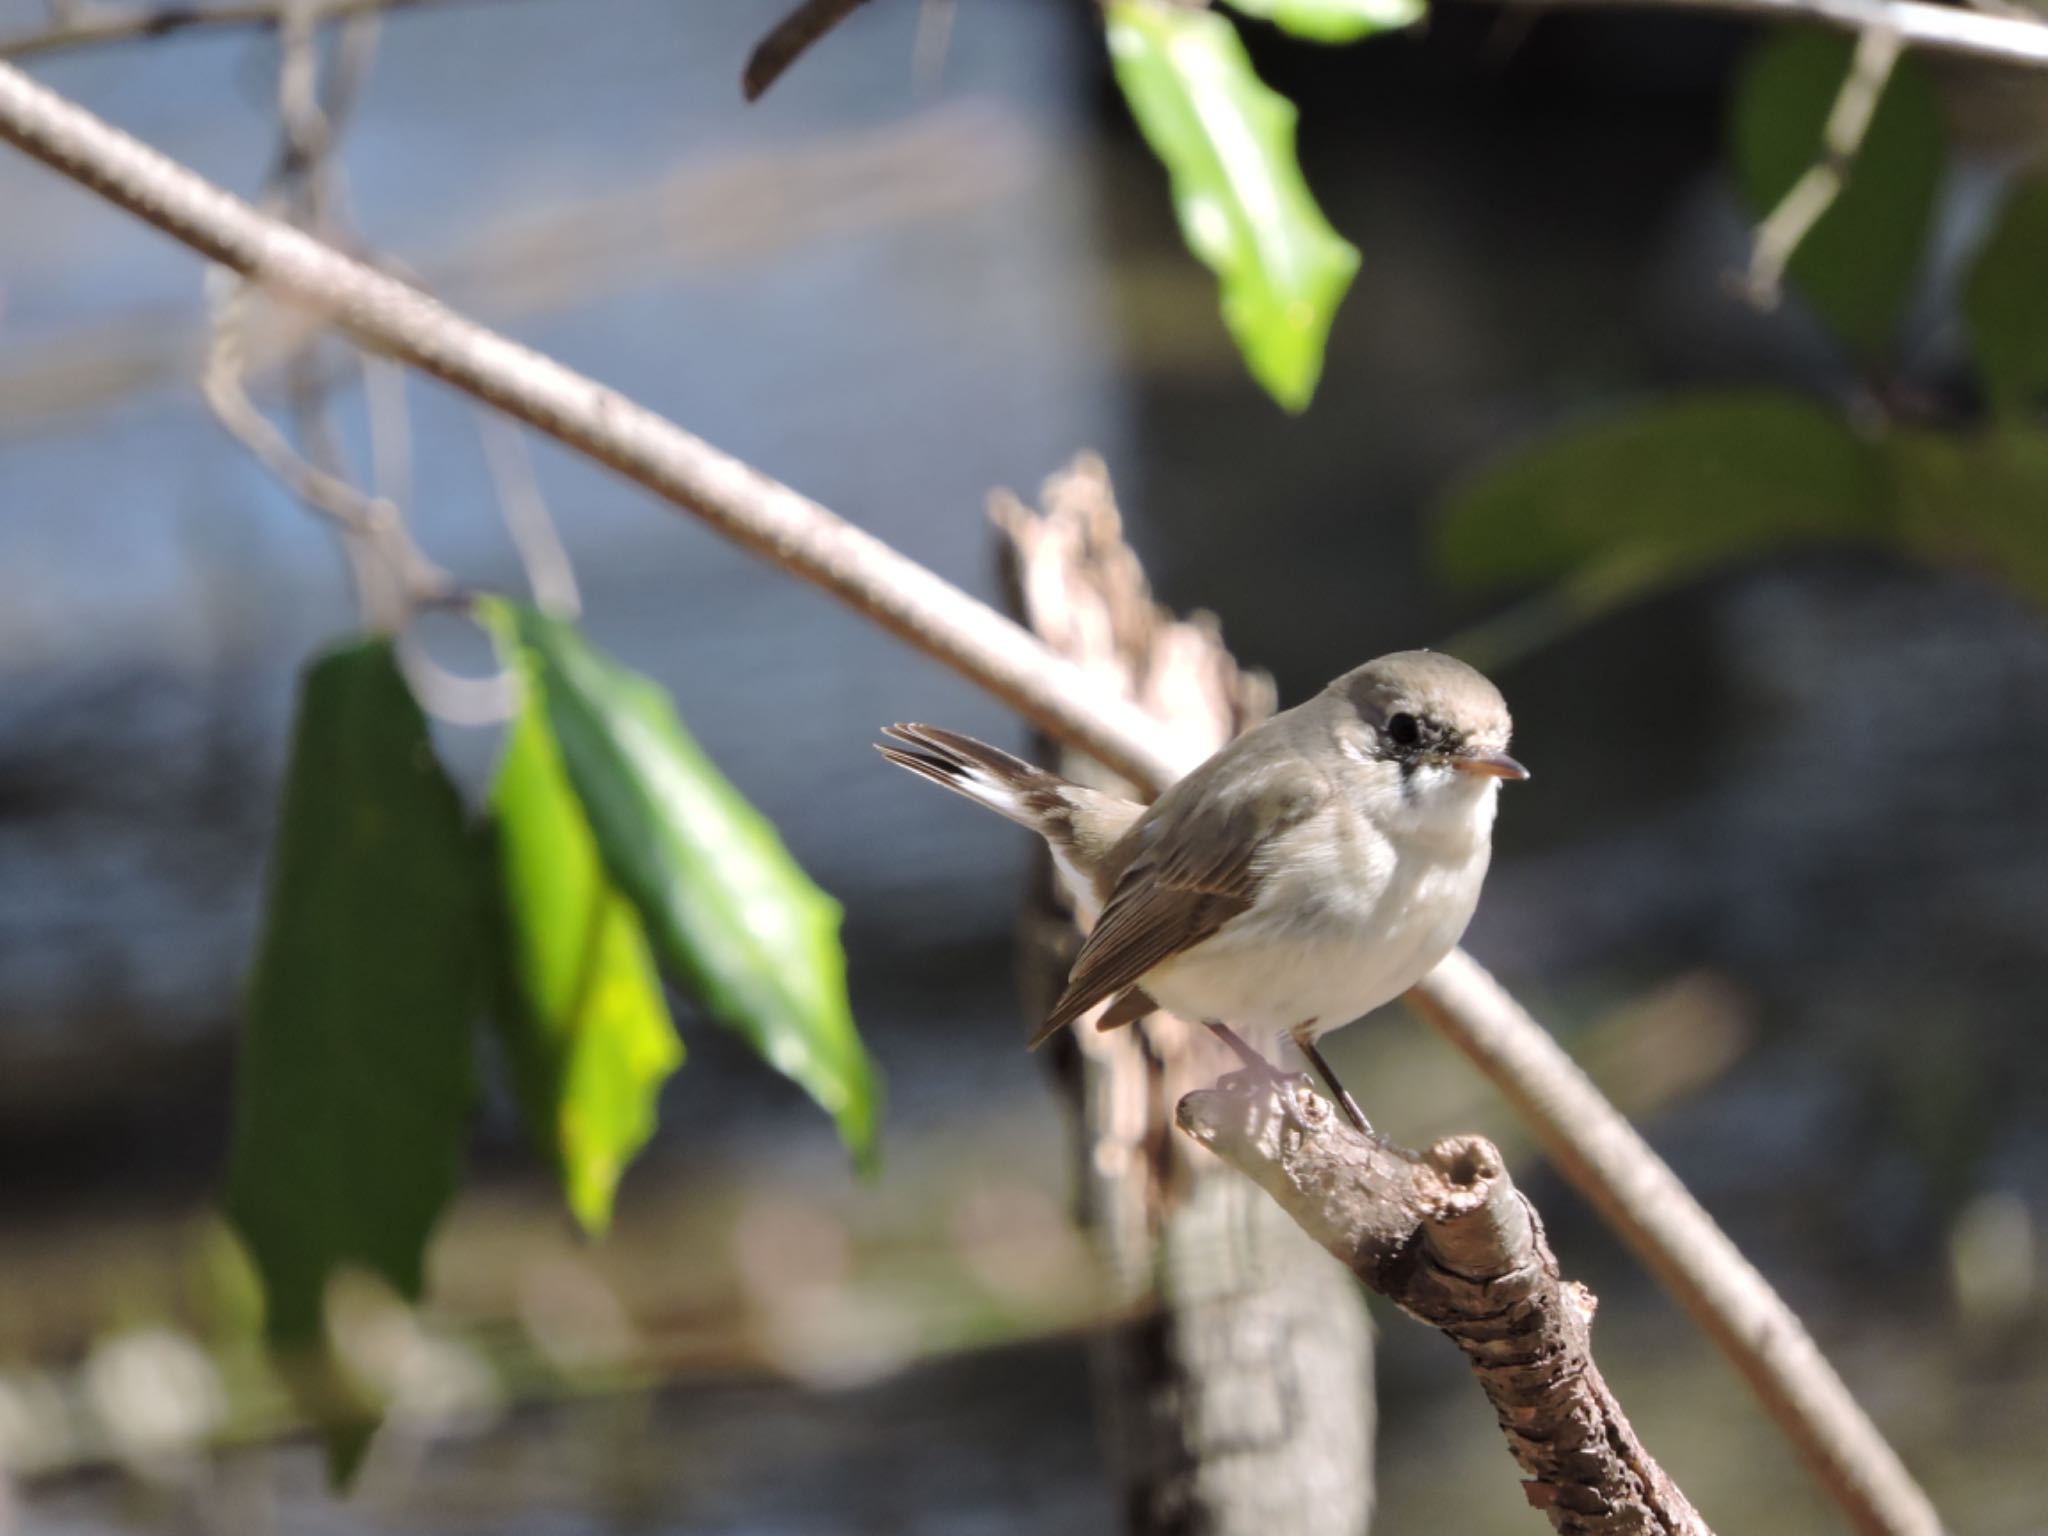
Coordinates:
[1786,226]
[1589,1139]
[1447,1237]
[550,576]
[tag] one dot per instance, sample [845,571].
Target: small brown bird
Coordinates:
[1316,867]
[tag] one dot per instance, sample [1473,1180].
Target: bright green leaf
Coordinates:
[1334,21]
[356,1075]
[585,1025]
[1856,266]
[2006,302]
[1661,493]
[745,929]
[1228,145]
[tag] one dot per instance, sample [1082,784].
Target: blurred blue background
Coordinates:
[1779,880]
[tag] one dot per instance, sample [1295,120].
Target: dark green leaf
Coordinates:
[356,1076]
[1978,501]
[585,1025]
[1856,266]
[1662,492]
[1228,145]
[747,932]
[2006,302]
[1334,21]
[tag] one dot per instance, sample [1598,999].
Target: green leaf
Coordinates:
[356,1076]
[1978,501]
[2006,302]
[581,1012]
[744,928]
[1334,21]
[1228,145]
[1663,492]
[1857,264]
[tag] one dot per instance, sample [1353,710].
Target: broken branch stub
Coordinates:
[1445,1235]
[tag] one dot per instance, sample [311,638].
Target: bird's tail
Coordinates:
[987,775]
[1081,825]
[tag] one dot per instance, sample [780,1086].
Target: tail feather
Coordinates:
[1079,825]
[987,775]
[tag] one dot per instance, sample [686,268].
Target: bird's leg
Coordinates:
[1305,1038]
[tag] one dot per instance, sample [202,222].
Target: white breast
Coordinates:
[1348,919]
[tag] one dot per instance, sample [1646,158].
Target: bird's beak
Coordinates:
[1492,765]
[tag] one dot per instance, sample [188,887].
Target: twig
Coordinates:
[791,38]
[1446,1237]
[1779,236]
[1587,1137]
[550,576]
[394,578]
[84,27]
[391,574]
[1918,23]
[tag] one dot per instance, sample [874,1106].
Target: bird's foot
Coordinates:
[1337,1090]
[1260,1069]
[1255,1068]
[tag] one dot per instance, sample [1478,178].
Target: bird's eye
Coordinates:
[1404,730]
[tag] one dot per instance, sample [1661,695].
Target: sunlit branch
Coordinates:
[1446,1236]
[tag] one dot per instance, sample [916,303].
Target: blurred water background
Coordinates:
[1779,879]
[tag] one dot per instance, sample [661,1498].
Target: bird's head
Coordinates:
[1425,726]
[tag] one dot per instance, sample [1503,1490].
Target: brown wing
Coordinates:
[1128,1009]
[1192,866]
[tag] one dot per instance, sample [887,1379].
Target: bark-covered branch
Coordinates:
[1446,1236]
[1595,1146]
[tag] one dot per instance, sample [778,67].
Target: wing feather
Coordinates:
[1193,864]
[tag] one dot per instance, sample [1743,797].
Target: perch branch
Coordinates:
[1635,1190]
[1589,1139]
[1446,1237]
